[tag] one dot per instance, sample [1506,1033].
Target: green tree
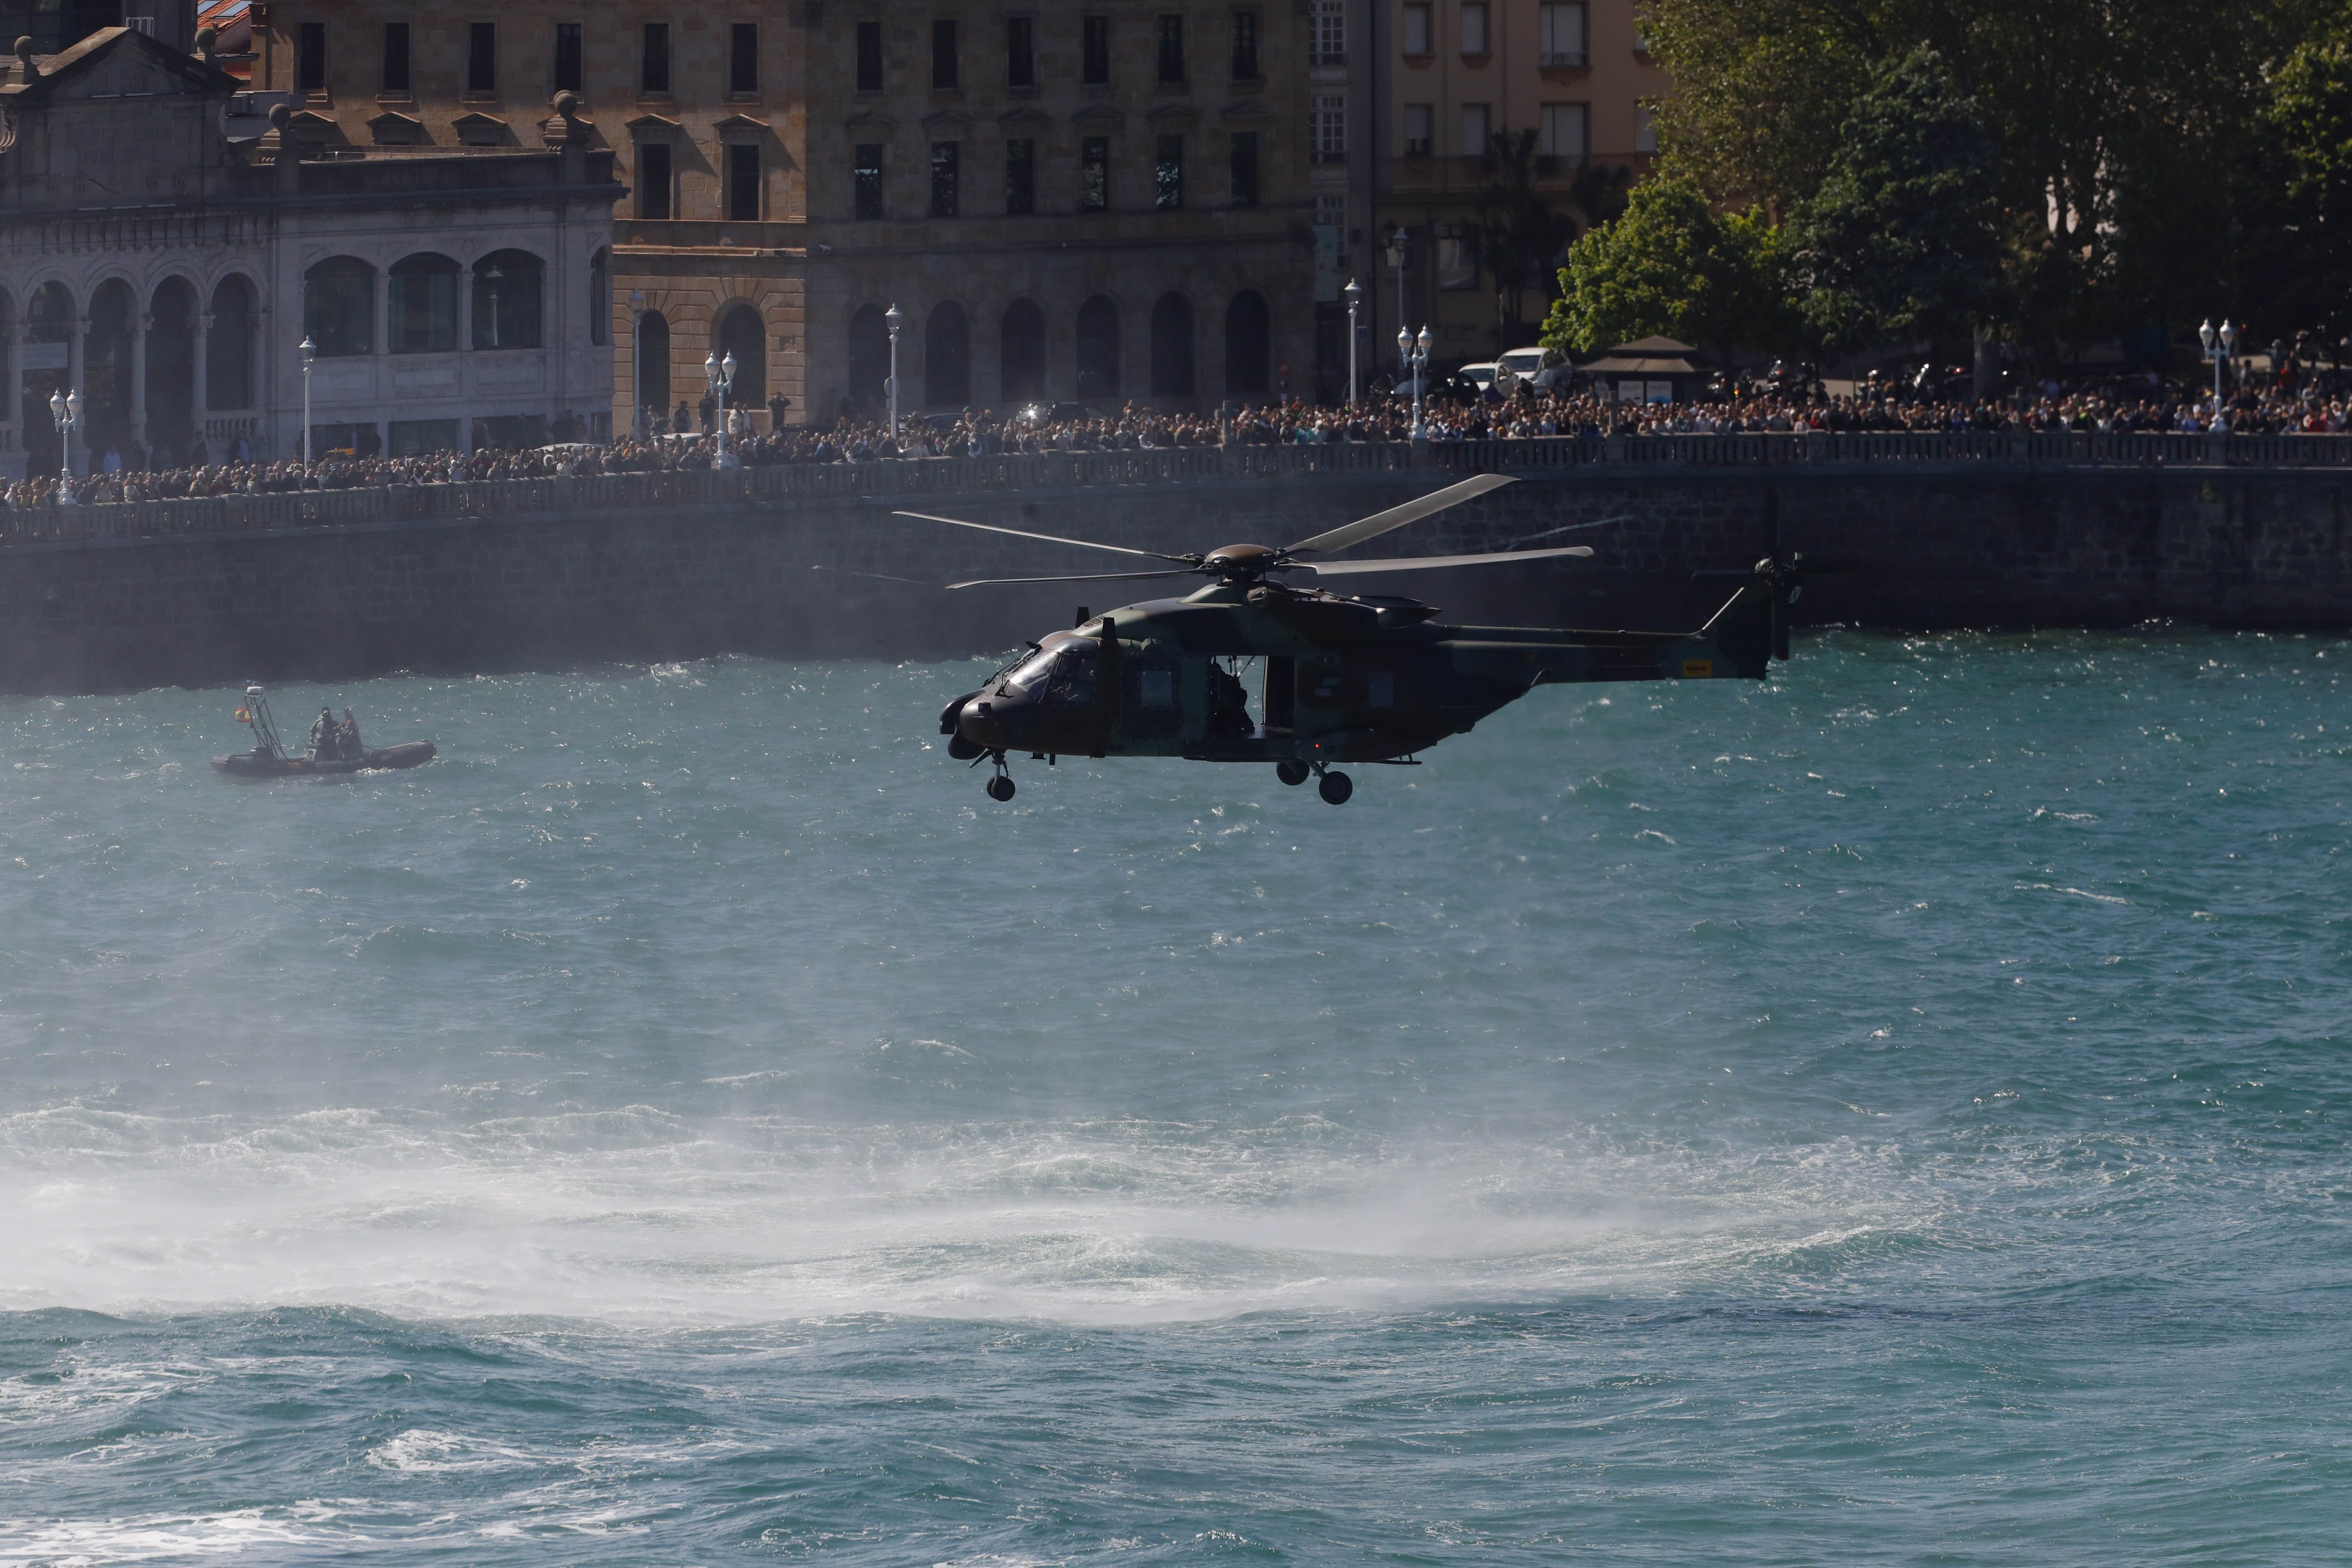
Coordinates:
[1902,238]
[1673,267]
[2301,248]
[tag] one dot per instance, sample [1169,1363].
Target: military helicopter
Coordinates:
[1347,678]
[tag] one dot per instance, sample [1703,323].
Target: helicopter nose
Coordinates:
[990,722]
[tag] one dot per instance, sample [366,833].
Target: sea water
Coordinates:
[1895,1113]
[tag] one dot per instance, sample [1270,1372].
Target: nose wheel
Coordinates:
[1334,786]
[1290,770]
[1000,787]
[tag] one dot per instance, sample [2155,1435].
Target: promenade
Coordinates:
[1991,454]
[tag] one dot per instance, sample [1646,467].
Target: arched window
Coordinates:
[1249,343]
[742,335]
[869,355]
[1171,347]
[106,369]
[228,347]
[1021,357]
[947,357]
[653,362]
[600,296]
[339,307]
[172,366]
[1098,348]
[507,305]
[421,310]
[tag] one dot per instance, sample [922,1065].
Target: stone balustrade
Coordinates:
[2004,453]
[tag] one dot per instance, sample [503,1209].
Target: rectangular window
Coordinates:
[1562,38]
[395,56]
[945,77]
[1475,38]
[1094,174]
[653,66]
[1020,51]
[866,170]
[1094,65]
[1420,130]
[1646,128]
[1020,176]
[1566,129]
[1172,51]
[1330,128]
[653,180]
[946,172]
[1330,33]
[311,57]
[743,182]
[568,77]
[482,59]
[1416,29]
[1474,124]
[743,59]
[1245,45]
[869,56]
[1458,258]
[1167,175]
[1245,168]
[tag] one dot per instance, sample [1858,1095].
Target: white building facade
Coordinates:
[168,273]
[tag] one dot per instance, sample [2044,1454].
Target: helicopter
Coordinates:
[1358,677]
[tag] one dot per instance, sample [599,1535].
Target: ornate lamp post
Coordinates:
[720,374]
[891,318]
[1398,248]
[65,407]
[1413,354]
[2219,347]
[309,350]
[1355,297]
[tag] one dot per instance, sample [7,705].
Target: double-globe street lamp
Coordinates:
[1413,354]
[890,319]
[309,350]
[720,374]
[2218,348]
[65,407]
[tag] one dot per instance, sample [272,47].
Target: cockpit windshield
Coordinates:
[1063,675]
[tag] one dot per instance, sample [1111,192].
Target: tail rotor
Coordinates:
[1779,575]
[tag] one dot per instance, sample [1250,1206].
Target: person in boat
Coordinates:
[326,738]
[349,733]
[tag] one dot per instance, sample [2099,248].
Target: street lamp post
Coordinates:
[891,318]
[1415,356]
[309,350]
[720,374]
[65,407]
[2219,347]
[1355,297]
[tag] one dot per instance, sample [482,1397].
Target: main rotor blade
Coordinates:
[1433,562]
[1048,538]
[1379,522]
[1089,577]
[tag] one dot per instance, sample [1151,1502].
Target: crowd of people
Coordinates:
[1525,412]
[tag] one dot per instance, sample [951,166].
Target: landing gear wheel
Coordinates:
[1001,788]
[1290,770]
[1336,788]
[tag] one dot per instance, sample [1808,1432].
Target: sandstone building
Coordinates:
[168,271]
[1102,201]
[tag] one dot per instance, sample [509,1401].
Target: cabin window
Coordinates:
[1380,689]
[1063,676]
[1156,688]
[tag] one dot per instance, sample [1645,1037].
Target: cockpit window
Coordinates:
[1063,675]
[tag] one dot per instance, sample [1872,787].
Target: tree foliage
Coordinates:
[1901,238]
[1673,267]
[1520,234]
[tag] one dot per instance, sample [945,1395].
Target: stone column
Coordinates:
[76,331]
[12,386]
[140,325]
[198,409]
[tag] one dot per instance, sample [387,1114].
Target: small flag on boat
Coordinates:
[245,715]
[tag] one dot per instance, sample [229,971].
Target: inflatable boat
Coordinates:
[335,748]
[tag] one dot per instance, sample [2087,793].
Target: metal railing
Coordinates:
[1988,454]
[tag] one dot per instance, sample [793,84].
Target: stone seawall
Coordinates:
[1942,544]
